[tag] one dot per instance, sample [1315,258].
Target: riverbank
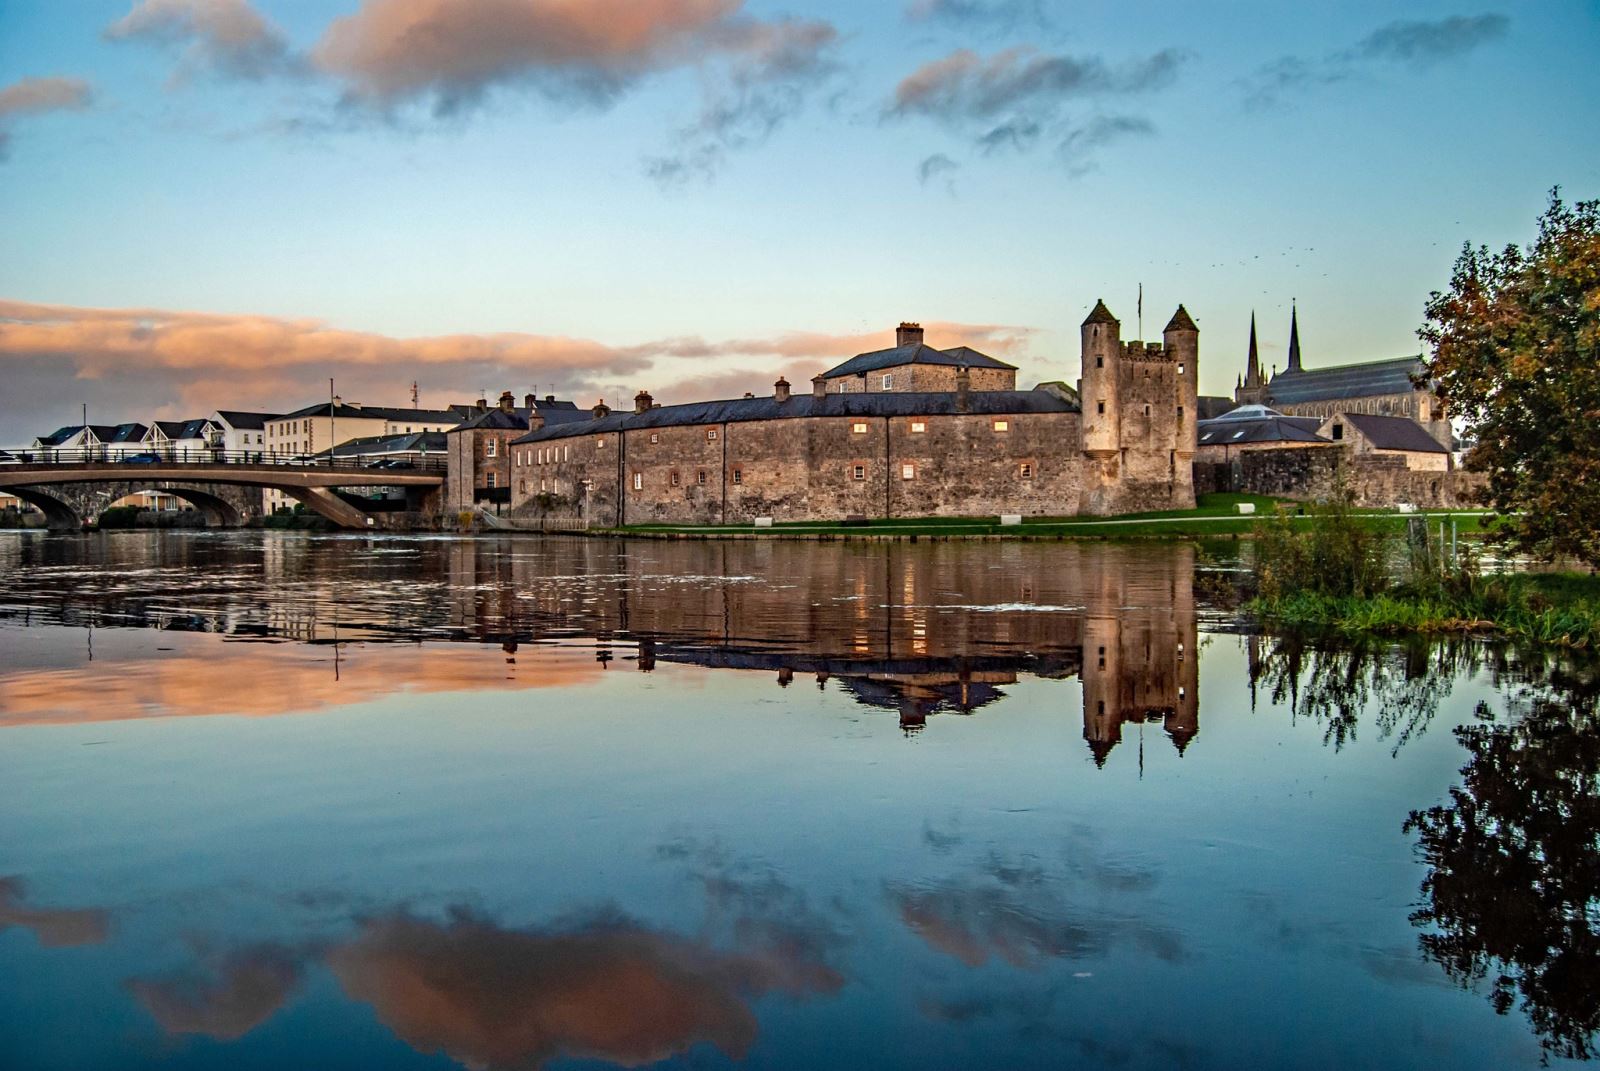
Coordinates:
[1215,516]
[1557,609]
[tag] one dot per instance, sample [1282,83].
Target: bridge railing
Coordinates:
[132,458]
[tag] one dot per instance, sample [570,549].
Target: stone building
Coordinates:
[1381,388]
[478,457]
[1256,427]
[911,366]
[1127,443]
[1387,437]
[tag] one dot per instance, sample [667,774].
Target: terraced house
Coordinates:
[906,432]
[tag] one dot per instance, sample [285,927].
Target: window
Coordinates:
[522,487]
[1099,362]
[700,477]
[908,471]
[1180,368]
[888,382]
[738,475]
[1180,414]
[599,442]
[1338,431]
[488,480]
[489,447]
[711,435]
[673,479]
[918,427]
[638,481]
[1026,471]
[1100,407]
[1147,410]
[859,472]
[541,486]
[654,438]
[566,453]
[859,428]
[1002,425]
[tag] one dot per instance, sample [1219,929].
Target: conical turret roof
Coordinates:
[1101,315]
[1181,321]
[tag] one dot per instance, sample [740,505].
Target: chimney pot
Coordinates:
[601,410]
[908,334]
[529,401]
[641,401]
[819,387]
[780,389]
[508,401]
[549,397]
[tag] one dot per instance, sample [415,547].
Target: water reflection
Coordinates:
[790,804]
[1512,896]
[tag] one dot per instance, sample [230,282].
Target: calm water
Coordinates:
[272,801]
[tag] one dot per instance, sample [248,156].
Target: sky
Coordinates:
[223,203]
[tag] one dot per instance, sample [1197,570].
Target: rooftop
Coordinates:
[1393,433]
[1392,376]
[740,410]
[914,353]
[243,421]
[1257,424]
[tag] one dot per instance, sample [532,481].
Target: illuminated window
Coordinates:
[711,435]
[859,428]
[918,426]
[654,438]
[1026,472]
[908,472]
[638,481]
[859,472]
[738,476]
[1002,425]
[566,453]
[599,442]
[1180,369]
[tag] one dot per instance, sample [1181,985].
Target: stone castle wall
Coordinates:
[1309,475]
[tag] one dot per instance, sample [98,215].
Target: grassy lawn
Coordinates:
[1214,515]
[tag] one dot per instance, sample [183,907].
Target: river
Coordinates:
[276,800]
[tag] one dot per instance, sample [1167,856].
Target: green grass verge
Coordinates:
[1214,515]
[1560,609]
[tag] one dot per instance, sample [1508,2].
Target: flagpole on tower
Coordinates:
[1141,310]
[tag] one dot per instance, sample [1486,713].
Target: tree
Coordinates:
[1515,347]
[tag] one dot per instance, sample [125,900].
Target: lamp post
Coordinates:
[332,438]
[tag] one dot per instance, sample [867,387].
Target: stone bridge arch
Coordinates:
[69,506]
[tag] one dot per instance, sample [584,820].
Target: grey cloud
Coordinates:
[1411,43]
[1000,16]
[226,37]
[774,70]
[39,96]
[1077,148]
[1408,41]
[931,168]
[1018,134]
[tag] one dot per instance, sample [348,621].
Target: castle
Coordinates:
[909,431]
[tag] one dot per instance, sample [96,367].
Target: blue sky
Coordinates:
[293,197]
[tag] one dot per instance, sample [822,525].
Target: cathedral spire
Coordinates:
[1294,340]
[1252,369]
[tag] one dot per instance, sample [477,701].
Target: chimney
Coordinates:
[549,397]
[481,403]
[529,401]
[508,401]
[963,386]
[641,402]
[601,410]
[535,420]
[780,390]
[819,388]
[748,394]
[908,334]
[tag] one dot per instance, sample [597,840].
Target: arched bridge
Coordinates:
[226,490]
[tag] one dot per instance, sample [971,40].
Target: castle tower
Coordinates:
[1182,341]
[1099,388]
[1294,341]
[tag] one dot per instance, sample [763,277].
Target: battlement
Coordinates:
[1137,350]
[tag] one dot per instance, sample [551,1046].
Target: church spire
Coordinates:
[1294,340]
[1252,368]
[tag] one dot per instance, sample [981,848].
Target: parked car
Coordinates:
[142,459]
[392,463]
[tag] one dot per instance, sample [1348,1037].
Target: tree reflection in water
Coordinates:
[1513,890]
[1402,683]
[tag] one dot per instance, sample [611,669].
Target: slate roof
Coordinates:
[1276,428]
[119,433]
[1394,433]
[60,435]
[913,353]
[432,442]
[243,421]
[741,410]
[183,429]
[552,411]
[345,411]
[1391,376]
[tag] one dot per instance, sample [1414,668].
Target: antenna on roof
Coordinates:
[415,394]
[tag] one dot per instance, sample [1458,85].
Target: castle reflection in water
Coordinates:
[922,630]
